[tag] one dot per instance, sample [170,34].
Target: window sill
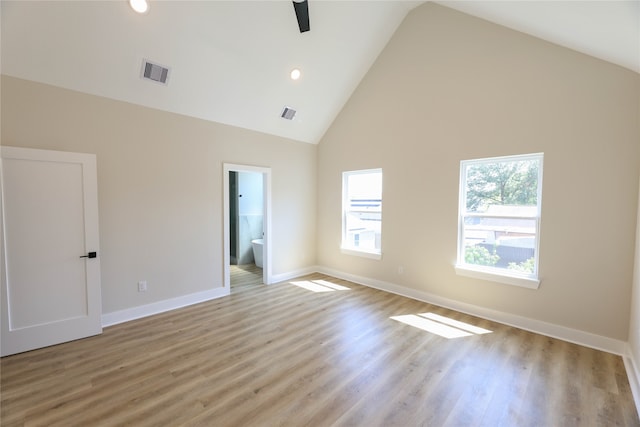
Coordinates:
[479,273]
[361,253]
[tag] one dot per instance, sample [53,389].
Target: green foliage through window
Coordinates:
[523,267]
[479,255]
[502,183]
[499,215]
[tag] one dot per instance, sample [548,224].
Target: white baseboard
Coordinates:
[548,329]
[277,278]
[632,374]
[138,312]
[567,334]
[121,316]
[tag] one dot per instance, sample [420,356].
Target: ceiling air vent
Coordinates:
[288,113]
[155,72]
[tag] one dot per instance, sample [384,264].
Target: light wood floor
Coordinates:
[243,276]
[285,355]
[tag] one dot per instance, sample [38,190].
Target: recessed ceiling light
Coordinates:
[295,74]
[140,6]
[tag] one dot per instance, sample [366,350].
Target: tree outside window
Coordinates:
[500,214]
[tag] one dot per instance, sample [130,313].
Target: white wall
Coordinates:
[160,187]
[250,213]
[250,189]
[450,87]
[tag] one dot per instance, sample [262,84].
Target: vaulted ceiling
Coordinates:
[230,61]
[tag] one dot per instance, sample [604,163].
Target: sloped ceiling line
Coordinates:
[231,60]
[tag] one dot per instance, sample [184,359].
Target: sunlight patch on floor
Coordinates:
[440,325]
[319,285]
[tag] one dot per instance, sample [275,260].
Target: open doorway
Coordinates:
[247,225]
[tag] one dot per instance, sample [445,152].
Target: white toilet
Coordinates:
[257,251]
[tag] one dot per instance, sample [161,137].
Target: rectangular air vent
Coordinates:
[288,113]
[155,72]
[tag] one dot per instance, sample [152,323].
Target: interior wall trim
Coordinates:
[277,278]
[575,336]
[138,312]
[631,367]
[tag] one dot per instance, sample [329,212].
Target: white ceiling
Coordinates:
[230,60]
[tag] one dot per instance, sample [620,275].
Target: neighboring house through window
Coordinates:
[499,219]
[362,212]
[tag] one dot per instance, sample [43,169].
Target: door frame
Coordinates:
[266,194]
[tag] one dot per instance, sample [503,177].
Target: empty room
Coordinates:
[320,213]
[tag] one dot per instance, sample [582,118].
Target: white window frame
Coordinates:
[494,274]
[344,246]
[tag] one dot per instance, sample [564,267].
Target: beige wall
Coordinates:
[160,187]
[450,87]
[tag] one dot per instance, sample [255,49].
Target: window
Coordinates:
[362,212]
[499,219]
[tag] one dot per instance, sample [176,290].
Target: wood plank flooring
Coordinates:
[314,354]
[245,275]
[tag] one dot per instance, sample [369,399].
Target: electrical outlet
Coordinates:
[400,270]
[142,286]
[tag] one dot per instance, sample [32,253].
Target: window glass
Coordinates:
[499,220]
[362,211]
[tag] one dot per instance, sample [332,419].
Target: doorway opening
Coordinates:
[247,226]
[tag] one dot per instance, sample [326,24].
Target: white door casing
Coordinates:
[50,290]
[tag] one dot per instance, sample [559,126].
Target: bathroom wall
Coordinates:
[250,214]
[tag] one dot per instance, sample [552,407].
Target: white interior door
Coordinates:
[51,274]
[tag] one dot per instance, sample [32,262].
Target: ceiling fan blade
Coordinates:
[302,13]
